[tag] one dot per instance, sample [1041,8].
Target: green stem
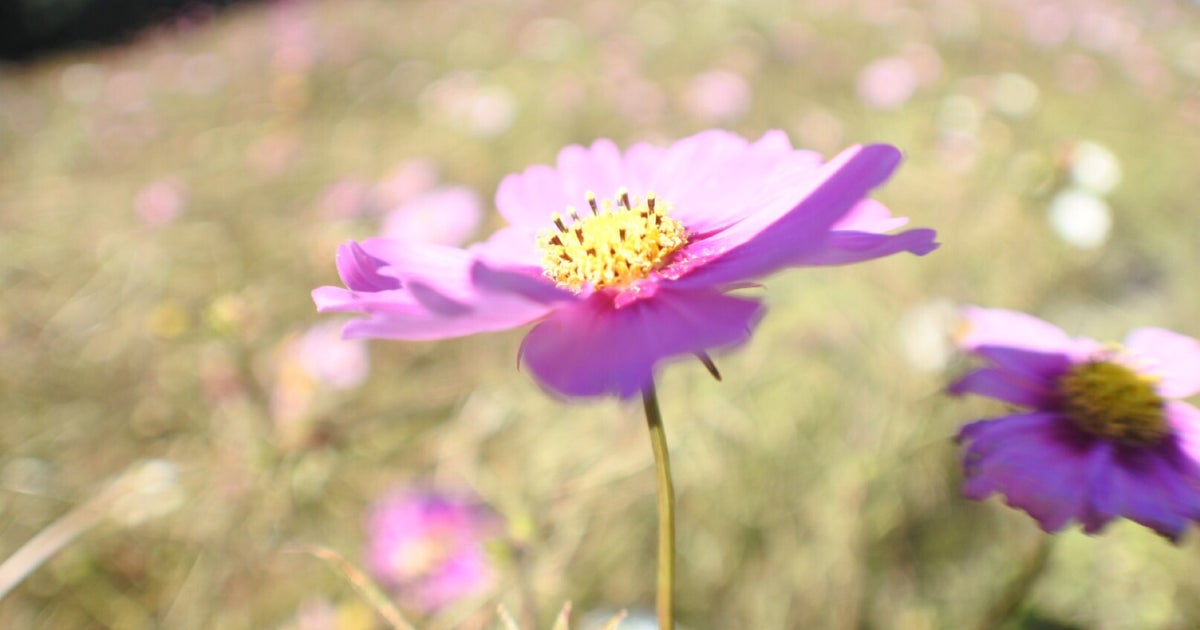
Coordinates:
[1010,601]
[666,510]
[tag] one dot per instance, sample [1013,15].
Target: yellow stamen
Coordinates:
[1112,401]
[622,241]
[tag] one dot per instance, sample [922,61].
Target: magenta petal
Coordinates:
[844,248]
[528,283]
[1000,327]
[360,271]
[591,349]
[1145,488]
[795,224]
[869,215]
[1002,385]
[1169,356]
[488,312]
[1043,367]
[1038,464]
[337,299]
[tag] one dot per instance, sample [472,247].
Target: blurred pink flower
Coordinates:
[642,276]
[346,198]
[405,181]
[428,547]
[328,359]
[446,216]
[718,96]
[1105,433]
[886,84]
[159,203]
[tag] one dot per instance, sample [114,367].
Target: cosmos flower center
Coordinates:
[1111,401]
[619,242]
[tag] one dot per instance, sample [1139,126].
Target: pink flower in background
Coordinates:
[887,84]
[346,198]
[1105,434]
[405,181]
[329,359]
[445,216]
[428,547]
[159,203]
[718,96]
[624,260]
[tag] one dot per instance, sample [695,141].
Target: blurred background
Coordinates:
[203,447]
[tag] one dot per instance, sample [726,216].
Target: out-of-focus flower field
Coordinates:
[166,206]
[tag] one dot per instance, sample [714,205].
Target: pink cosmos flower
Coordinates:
[625,259]
[1105,434]
[428,547]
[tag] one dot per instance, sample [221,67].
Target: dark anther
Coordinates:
[621,233]
[650,202]
[579,234]
[557,241]
[592,202]
[625,200]
[709,365]
[559,224]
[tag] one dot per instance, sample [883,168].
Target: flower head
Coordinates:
[625,259]
[428,547]
[1104,434]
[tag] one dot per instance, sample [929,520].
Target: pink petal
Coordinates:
[708,177]
[513,246]
[792,225]
[360,271]
[437,298]
[724,180]
[869,215]
[1171,357]
[531,197]
[999,327]
[487,313]
[591,348]
[845,247]
[1184,420]
[527,283]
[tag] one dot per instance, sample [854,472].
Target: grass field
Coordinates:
[166,206]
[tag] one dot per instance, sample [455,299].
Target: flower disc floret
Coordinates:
[1111,401]
[621,241]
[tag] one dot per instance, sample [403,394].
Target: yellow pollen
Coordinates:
[618,242]
[1110,400]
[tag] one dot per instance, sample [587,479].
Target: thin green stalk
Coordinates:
[666,511]
[1010,601]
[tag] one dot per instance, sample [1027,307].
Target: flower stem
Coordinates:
[666,510]
[1018,589]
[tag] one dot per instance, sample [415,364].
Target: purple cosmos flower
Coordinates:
[428,547]
[1105,434]
[623,260]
